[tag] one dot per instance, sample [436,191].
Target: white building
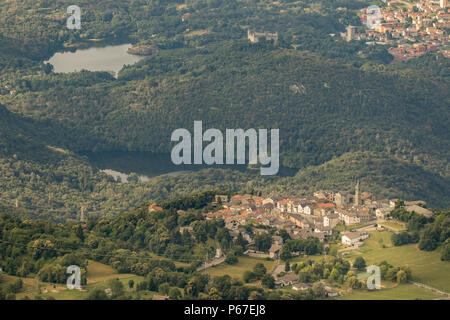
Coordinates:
[331,220]
[353,238]
[383,213]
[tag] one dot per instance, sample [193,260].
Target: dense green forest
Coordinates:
[113,241]
[343,112]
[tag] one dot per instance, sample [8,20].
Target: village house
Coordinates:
[219,198]
[258,202]
[306,208]
[330,292]
[282,205]
[301,287]
[274,250]
[354,238]
[237,208]
[286,280]
[392,202]
[297,219]
[267,206]
[254,37]
[324,194]
[365,215]
[383,213]
[342,198]
[382,203]
[299,234]
[367,197]
[319,235]
[272,200]
[348,217]
[277,239]
[186,228]
[153,207]
[331,220]
[319,227]
[321,209]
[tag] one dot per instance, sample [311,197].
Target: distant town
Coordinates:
[410,30]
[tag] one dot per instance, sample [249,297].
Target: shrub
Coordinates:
[249,277]
[360,264]
[268,281]
[231,259]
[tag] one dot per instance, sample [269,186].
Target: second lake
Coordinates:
[109,58]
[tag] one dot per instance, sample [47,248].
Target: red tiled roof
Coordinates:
[325,205]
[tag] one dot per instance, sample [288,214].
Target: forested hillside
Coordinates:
[322,108]
[343,112]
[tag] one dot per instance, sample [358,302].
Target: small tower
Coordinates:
[350,33]
[357,198]
[82,215]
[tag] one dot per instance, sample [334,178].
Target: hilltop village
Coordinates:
[408,30]
[316,216]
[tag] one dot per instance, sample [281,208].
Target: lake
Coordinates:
[108,58]
[119,164]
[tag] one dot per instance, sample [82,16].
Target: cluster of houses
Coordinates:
[409,31]
[312,216]
[291,279]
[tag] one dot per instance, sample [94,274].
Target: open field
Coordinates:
[396,225]
[97,276]
[98,272]
[398,292]
[426,266]
[377,240]
[237,270]
[177,263]
[342,227]
[29,286]
[389,291]
[65,294]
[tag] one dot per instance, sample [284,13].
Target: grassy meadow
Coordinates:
[237,270]
[426,266]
